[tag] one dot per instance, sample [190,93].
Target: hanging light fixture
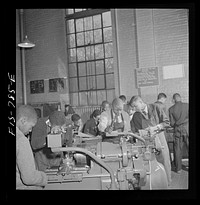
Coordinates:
[26,43]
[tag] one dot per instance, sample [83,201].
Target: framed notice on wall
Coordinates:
[56,84]
[37,86]
[147,77]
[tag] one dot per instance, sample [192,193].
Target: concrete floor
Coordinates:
[180,181]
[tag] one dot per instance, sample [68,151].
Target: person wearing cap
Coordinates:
[115,119]
[91,126]
[44,157]
[27,175]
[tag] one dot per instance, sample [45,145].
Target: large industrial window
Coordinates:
[90,56]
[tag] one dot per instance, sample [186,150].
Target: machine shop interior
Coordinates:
[82,57]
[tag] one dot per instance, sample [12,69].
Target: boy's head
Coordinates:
[105,105]
[123,98]
[96,115]
[162,97]
[137,103]
[117,106]
[26,117]
[57,121]
[76,119]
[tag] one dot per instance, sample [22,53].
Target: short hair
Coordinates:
[122,97]
[95,113]
[105,102]
[26,111]
[117,103]
[75,117]
[161,95]
[70,110]
[57,118]
[176,97]
[134,99]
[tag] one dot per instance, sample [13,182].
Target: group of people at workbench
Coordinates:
[33,156]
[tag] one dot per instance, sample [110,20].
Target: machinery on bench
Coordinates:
[119,161]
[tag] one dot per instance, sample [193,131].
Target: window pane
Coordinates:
[72,55]
[109,65]
[97,21]
[74,99]
[88,23]
[108,50]
[71,26]
[82,83]
[100,82]
[73,85]
[89,52]
[89,37]
[92,98]
[101,96]
[79,25]
[71,40]
[110,95]
[99,67]
[110,81]
[107,33]
[80,39]
[72,70]
[78,10]
[91,68]
[106,19]
[70,11]
[81,69]
[91,80]
[81,54]
[97,36]
[83,98]
[99,51]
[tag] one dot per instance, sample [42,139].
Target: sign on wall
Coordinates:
[37,86]
[173,71]
[147,77]
[56,84]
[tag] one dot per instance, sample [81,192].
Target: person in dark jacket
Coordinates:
[161,99]
[91,126]
[146,116]
[44,157]
[179,120]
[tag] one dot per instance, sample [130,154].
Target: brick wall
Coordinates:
[48,59]
[163,40]
[127,51]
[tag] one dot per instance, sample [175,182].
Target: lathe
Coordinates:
[118,161]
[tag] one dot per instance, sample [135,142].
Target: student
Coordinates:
[160,103]
[27,177]
[179,120]
[123,98]
[91,126]
[69,111]
[44,157]
[77,123]
[105,106]
[146,115]
[115,119]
